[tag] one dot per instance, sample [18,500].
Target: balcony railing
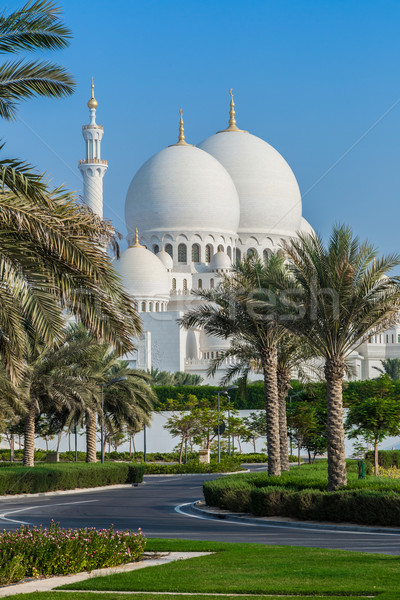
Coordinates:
[93,127]
[91,161]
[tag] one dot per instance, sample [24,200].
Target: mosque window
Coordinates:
[209,252]
[211,283]
[266,254]
[387,339]
[200,284]
[392,338]
[185,285]
[196,253]
[156,248]
[150,307]
[157,307]
[238,255]
[143,306]
[229,251]
[252,253]
[182,253]
[174,283]
[220,248]
[168,250]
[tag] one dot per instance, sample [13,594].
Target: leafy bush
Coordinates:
[386,458]
[225,466]
[55,551]
[255,395]
[302,493]
[46,478]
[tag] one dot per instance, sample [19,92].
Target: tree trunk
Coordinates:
[29,436]
[269,364]
[298,453]
[12,439]
[376,459]
[181,449]
[58,445]
[254,445]
[91,437]
[283,390]
[334,372]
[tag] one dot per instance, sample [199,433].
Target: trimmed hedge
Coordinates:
[255,395]
[386,458]
[301,494]
[225,466]
[47,478]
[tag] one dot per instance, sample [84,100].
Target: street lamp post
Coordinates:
[232,387]
[103,385]
[144,443]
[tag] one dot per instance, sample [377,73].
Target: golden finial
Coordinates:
[92,102]
[232,119]
[181,137]
[137,244]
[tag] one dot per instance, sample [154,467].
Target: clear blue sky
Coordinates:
[311,77]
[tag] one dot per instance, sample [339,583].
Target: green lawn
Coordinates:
[258,569]
[111,596]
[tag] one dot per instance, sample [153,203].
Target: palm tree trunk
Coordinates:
[91,437]
[29,436]
[334,372]
[269,364]
[283,390]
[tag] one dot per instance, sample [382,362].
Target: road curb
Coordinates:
[220,516]
[67,492]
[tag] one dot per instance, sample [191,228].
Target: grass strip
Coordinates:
[112,596]
[258,569]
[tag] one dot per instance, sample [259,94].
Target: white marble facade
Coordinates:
[191,211]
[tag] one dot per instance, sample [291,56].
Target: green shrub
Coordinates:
[302,494]
[386,458]
[225,466]
[46,477]
[55,551]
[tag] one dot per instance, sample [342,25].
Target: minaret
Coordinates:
[93,167]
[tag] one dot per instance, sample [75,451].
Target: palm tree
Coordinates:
[51,248]
[231,311]
[35,26]
[391,366]
[55,382]
[336,295]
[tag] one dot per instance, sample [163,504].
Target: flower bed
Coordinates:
[41,552]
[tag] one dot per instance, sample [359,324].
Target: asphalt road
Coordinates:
[152,506]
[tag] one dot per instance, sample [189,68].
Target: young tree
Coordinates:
[183,423]
[375,414]
[256,427]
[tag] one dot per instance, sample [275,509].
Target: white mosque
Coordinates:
[190,212]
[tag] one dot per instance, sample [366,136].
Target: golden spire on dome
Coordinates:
[181,137]
[92,102]
[232,116]
[137,244]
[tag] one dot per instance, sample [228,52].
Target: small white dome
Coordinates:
[143,274]
[220,260]
[165,259]
[269,195]
[182,189]
[212,342]
[305,227]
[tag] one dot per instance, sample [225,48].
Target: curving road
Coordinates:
[152,506]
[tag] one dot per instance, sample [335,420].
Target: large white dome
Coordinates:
[269,195]
[143,274]
[182,189]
